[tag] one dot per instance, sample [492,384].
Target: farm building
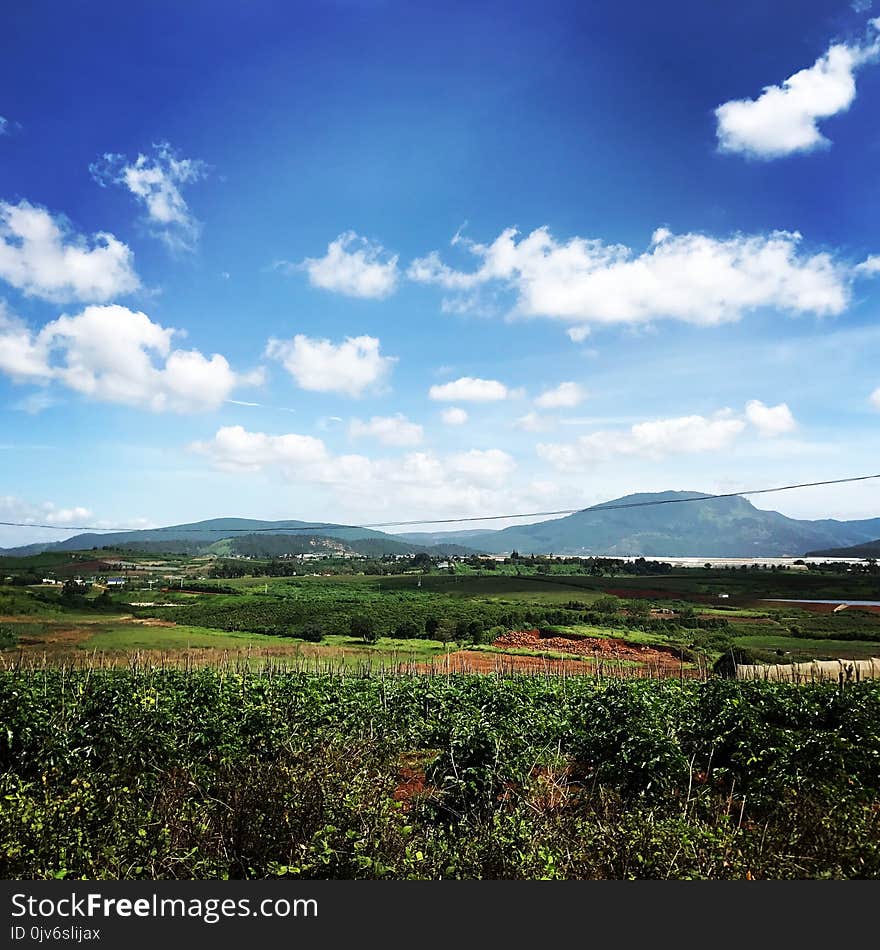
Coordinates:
[115,581]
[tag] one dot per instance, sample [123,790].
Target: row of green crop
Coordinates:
[210,774]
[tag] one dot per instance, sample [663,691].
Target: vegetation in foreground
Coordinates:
[221,773]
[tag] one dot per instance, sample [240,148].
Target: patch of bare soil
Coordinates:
[594,648]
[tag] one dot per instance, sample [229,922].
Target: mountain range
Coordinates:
[663,524]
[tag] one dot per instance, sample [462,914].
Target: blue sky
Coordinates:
[361,261]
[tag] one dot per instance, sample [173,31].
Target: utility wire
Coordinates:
[280,528]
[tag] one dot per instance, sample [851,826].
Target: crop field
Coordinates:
[419,614]
[213,773]
[516,723]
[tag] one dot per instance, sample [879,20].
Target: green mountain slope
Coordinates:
[717,527]
[247,537]
[871,549]
[665,524]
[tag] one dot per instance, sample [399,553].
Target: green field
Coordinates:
[157,773]
[418,614]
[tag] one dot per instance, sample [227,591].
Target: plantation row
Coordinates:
[153,774]
[332,609]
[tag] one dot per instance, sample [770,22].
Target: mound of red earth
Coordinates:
[591,647]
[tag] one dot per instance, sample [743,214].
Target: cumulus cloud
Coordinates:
[578,334]
[350,368]
[157,182]
[784,119]
[869,266]
[875,398]
[41,257]
[658,438]
[770,420]
[460,482]
[112,354]
[454,416]
[563,396]
[234,448]
[4,125]
[470,389]
[534,422]
[13,508]
[389,430]
[690,277]
[653,440]
[354,266]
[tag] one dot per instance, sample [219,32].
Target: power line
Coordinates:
[424,521]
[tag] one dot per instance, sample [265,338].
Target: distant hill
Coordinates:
[670,524]
[245,536]
[871,549]
[664,524]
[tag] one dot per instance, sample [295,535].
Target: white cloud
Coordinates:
[578,334]
[869,266]
[875,398]
[4,125]
[655,439]
[20,356]
[690,277]
[157,183]
[783,119]
[454,416]
[389,430]
[474,481]
[234,448]
[770,420]
[350,368]
[470,389]
[13,508]
[487,466]
[36,403]
[353,266]
[564,396]
[534,422]
[41,257]
[112,354]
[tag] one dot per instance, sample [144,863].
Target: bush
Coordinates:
[725,665]
[364,627]
[408,630]
[312,632]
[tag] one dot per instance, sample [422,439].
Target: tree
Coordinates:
[364,627]
[432,625]
[422,561]
[407,630]
[606,605]
[72,592]
[476,632]
[312,632]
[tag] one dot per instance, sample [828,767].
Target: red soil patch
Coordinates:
[411,784]
[589,655]
[474,661]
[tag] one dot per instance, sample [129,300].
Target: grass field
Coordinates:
[269,614]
